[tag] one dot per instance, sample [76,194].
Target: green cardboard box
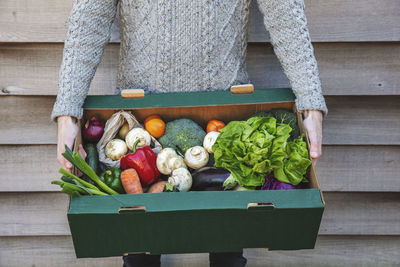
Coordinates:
[191,222]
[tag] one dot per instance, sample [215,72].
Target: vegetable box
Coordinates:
[191,222]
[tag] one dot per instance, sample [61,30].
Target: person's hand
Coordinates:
[67,132]
[313,125]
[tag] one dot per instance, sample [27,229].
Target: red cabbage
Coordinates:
[271,183]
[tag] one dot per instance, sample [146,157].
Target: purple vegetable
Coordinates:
[209,179]
[93,130]
[271,183]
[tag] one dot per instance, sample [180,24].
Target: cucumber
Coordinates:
[92,157]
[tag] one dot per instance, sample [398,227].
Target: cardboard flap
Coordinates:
[188,99]
[210,200]
[188,222]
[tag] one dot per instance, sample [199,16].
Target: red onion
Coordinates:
[94,130]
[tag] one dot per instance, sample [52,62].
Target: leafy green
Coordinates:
[229,183]
[76,178]
[296,165]
[259,146]
[77,189]
[262,114]
[289,118]
[81,164]
[282,116]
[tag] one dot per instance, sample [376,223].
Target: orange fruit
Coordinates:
[155,126]
[154,116]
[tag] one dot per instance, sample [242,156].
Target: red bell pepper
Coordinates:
[143,160]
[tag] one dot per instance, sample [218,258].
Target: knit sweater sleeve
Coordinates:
[286,22]
[88,32]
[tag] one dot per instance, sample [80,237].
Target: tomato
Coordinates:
[215,126]
[155,126]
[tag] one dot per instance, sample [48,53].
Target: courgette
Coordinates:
[92,157]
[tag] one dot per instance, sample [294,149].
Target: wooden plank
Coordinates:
[330,251]
[342,21]
[330,21]
[29,21]
[32,69]
[342,168]
[359,168]
[334,251]
[26,120]
[27,168]
[31,214]
[361,120]
[46,251]
[361,214]
[345,68]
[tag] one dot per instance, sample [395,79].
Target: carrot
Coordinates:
[157,187]
[131,182]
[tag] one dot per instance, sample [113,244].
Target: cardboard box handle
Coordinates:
[242,89]
[236,89]
[132,93]
[132,209]
[127,253]
[260,205]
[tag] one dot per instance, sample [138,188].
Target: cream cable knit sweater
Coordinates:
[186,45]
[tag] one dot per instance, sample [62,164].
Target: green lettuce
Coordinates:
[259,146]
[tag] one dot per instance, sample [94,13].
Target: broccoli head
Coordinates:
[182,134]
[287,117]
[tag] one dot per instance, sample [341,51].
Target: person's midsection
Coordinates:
[182,45]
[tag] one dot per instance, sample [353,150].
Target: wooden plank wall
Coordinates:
[357,45]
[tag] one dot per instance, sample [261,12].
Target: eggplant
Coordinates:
[209,179]
[211,160]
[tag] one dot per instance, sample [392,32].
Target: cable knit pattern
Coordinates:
[183,45]
[88,32]
[287,24]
